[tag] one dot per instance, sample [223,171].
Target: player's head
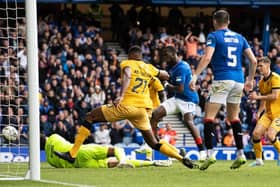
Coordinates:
[264,65]
[169,55]
[135,53]
[221,18]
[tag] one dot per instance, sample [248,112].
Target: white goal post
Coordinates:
[16,164]
[33,88]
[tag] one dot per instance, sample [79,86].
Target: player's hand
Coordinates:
[248,86]
[165,84]
[117,101]
[192,82]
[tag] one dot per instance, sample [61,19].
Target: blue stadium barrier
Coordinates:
[14,154]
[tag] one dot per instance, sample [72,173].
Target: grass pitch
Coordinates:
[217,175]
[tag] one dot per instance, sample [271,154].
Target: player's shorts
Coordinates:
[267,122]
[226,91]
[139,117]
[92,156]
[175,105]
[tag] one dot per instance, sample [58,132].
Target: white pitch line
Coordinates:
[65,183]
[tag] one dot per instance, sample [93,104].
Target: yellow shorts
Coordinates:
[139,117]
[267,122]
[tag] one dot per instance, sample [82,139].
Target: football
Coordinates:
[10,133]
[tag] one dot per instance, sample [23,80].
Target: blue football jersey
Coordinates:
[227,58]
[181,74]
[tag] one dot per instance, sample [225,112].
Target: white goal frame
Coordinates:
[33,90]
[34,172]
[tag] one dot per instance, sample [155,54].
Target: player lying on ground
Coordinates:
[91,155]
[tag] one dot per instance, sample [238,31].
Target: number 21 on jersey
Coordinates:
[139,85]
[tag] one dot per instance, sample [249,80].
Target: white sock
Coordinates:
[209,153]
[240,153]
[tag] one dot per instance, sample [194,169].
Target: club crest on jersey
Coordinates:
[209,41]
[178,79]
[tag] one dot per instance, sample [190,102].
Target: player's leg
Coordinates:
[147,150]
[272,135]
[188,119]
[140,119]
[232,115]
[145,163]
[157,114]
[188,109]
[165,148]
[167,107]
[258,132]
[211,110]
[96,115]
[218,96]
[233,102]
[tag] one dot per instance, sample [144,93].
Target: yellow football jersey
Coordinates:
[155,86]
[137,93]
[265,87]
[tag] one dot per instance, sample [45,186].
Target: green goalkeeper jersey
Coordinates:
[89,155]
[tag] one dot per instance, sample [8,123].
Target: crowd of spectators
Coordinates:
[78,72]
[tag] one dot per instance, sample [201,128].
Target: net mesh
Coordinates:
[13,89]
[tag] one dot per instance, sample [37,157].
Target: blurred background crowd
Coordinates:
[78,71]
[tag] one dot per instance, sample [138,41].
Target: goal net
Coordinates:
[14,91]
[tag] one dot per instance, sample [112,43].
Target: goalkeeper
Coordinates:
[91,155]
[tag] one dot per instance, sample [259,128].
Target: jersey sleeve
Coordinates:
[124,64]
[180,76]
[245,42]
[153,70]
[275,82]
[157,84]
[211,40]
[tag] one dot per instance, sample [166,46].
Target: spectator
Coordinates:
[168,134]
[102,136]
[228,139]
[128,131]
[116,133]
[191,48]
[45,126]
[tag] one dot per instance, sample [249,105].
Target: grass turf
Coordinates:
[218,175]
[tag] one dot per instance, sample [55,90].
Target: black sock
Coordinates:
[200,147]
[86,124]
[237,133]
[256,141]
[209,133]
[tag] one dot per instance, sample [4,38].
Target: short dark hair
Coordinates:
[135,52]
[221,17]
[264,59]
[170,49]
[168,54]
